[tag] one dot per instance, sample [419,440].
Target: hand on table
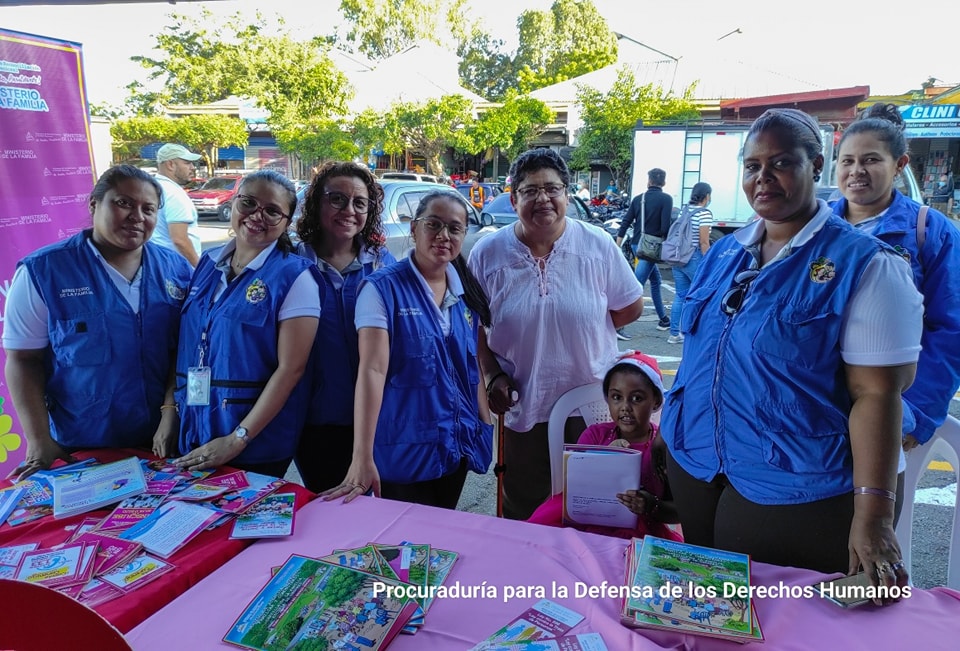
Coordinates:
[361,478]
[218,452]
[873,546]
[502,394]
[40,457]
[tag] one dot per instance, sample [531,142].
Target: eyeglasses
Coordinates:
[247,205]
[434,226]
[340,201]
[732,301]
[552,191]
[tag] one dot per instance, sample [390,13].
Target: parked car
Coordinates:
[490,191]
[400,201]
[409,176]
[500,212]
[214,197]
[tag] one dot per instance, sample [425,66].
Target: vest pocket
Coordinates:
[81,341]
[417,364]
[790,442]
[802,336]
[693,306]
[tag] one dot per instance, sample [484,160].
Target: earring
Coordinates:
[816,177]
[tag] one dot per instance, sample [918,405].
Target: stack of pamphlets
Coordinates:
[315,604]
[689,589]
[271,517]
[542,627]
[592,477]
[96,486]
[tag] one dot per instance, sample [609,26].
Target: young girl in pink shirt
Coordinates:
[633,388]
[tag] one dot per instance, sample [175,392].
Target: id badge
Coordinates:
[198,385]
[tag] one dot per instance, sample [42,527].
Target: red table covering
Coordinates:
[197,559]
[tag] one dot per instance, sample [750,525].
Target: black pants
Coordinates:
[713,514]
[443,492]
[323,455]
[526,455]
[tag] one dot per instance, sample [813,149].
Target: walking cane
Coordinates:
[499,466]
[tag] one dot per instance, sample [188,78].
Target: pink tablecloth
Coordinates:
[505,553]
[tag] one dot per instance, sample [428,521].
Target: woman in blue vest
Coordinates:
[872,152]
[783,423]
[340,231]
[91,326]
[419,420]
[248,324]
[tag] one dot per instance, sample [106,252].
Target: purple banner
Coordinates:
[46,170]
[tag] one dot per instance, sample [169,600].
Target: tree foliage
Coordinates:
[609,119]
[318,140]
[201,133]
[512,126]
[429,128]
[202,61]
[381,28]
[568,40]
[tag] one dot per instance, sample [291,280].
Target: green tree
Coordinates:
[609,119]
[429,128]
[202,61]
[512,126]
[202,133]
[568,40]
[485,69]
[382,28]
[318,140]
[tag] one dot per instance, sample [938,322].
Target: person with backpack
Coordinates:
[685,245]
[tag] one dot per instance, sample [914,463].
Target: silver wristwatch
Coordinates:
[241,433]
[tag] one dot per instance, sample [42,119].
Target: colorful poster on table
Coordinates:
[46,170]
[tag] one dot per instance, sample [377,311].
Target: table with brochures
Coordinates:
[202,555]
[506,566]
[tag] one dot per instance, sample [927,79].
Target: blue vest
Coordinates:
[335,357]
[926,402]
[429,419]
[762,396]
[107,368]
[242,330]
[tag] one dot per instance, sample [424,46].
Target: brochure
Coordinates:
[35,502]
[131,511]
[141,570]
[653,563]
[168,467]
[199,492]
[94,487]
[271,517]
[441,563]
[170,527]
[111,551]
[582,642]
[362,558]
[313,604]
[240,500]
[9,498]
[96,592]
[8,571]
[592,477]
[85,525]
[51,567]
[232,481]
[543,621]
[12,555]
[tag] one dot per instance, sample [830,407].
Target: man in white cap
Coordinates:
[177,220]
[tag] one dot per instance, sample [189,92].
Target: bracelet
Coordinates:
[166,406]
[494,379]
[880,492]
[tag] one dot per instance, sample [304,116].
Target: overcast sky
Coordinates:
[828,44]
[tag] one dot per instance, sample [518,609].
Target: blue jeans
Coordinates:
[646,269]
[682,279]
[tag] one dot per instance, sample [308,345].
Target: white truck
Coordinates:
[710,151]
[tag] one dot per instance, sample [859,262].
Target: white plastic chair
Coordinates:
[588,400]
[945,441]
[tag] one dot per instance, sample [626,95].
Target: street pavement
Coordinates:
[936,494]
